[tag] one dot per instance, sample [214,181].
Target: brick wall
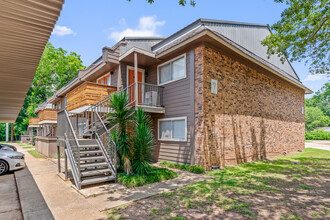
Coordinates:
[252,117]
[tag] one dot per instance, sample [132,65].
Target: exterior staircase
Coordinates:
[93,165]
[92,157]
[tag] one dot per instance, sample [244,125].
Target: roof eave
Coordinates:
[220,40]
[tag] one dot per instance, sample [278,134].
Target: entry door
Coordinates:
[131,89]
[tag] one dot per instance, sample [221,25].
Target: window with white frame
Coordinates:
[172,129]
[172,70]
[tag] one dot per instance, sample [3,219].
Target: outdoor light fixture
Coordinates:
[111,73]
[147,74]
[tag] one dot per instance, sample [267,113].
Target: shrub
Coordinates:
[314,117]
[192,169]
[317,135]
[121,115]
[142,142]
[155,175]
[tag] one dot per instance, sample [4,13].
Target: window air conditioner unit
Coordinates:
[151,98]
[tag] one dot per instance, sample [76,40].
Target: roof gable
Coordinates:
[247,35]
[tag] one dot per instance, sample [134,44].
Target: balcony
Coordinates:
[33,122]
[48,116]
[86,95]
[150,97]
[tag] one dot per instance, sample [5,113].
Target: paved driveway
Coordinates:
[9,203]
[323,145]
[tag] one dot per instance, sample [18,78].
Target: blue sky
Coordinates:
[86,26]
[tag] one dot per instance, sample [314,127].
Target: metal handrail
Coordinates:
[75,172]
[108,134]
[106,155]
[75,138]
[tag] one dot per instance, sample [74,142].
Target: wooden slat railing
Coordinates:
[33,121]
[88,93]
[48,114]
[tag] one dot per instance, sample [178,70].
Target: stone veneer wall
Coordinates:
[252,117]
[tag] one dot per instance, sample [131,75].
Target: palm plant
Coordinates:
[122,116]
[142,142]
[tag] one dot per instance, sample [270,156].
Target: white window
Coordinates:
[172,129]
[108,81]
[173,70]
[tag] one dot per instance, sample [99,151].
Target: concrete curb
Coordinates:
[32,202]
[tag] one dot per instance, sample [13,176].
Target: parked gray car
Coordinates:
[10,160]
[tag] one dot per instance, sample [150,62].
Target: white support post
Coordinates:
[7,132]
[119,81]
[136,78]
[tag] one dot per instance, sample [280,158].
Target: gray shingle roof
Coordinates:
[246,35]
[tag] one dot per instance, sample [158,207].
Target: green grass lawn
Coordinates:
[292,187]
[28,147]
[36,154]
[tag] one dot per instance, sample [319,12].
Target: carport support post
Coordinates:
[12,132]
[7,132]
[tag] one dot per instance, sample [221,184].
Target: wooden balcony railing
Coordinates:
[48,115]
[33,121]
[88,94]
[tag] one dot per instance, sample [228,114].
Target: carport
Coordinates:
[25,29]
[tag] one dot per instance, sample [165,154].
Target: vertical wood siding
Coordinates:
[178,102]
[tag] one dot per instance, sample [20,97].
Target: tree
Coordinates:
[303,33]
[56,68]
[314,117]
[142,142]
[122,116]
[181,2]
[321,99]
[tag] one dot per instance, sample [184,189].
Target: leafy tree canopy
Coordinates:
[303,33]
[56,68]
[321,99]
[314,117]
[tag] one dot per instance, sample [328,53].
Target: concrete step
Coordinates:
[97,180]
[89,145]
[94,172]
[97,164]
[87,142]
[90,151]
[92,158]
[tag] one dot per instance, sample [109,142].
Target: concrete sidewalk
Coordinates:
[63,201]
[323,145]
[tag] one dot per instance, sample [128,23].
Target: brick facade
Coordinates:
[252,117]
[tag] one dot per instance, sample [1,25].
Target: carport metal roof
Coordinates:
[25,26]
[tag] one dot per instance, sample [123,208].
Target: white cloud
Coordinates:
[62,31]
[148,27]
[315,77]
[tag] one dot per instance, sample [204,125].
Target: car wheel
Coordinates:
[3,167]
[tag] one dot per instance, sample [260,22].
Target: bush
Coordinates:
[317,135]
[156,175]
[192,169]
[142,141]
[314,117]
